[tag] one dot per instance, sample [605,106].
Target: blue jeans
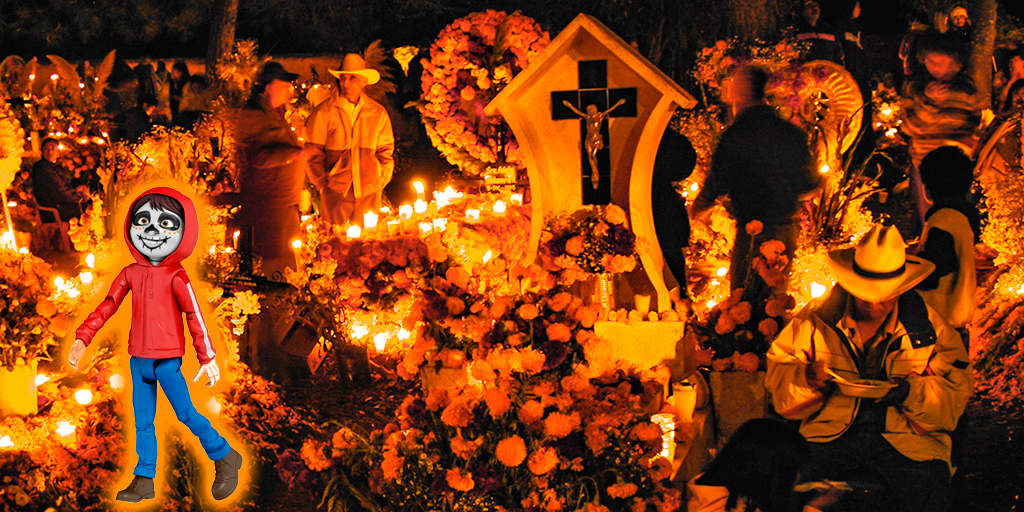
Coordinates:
[146,373]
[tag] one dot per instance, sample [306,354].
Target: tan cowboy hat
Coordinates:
[878,268]
[353,64]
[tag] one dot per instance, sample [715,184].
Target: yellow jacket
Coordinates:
[369,136]
[929,354]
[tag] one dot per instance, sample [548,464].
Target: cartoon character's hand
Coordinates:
[76,353]
[210,370]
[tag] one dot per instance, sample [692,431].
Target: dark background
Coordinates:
[667,31]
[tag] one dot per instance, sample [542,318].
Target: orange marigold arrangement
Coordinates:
[736,333]
[521,421]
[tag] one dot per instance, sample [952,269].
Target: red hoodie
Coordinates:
[160,295]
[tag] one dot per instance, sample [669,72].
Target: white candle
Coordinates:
[516,199]
[405,211]
[418,185]
[354,231]
[440,224]
[499,207]
[305,201]
[420,206]
[472,215]
[369,221]
[426,228]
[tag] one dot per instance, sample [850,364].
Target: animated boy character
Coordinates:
[161,230]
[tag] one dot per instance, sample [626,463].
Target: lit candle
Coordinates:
[5,442]
[418,185]
[234,240]
[405,211]
[420,207]
[394,226]
[426,228]
[85,277]
[354,231]
[440,224]
[499,207]
[369,221]
[516,198]
[472,215]
[117,381]
[380,341]
[296,244]
[83,396]
[305,201]
[41,379]
[90,260]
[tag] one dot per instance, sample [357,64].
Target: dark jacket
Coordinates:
[764,165]
[51,190]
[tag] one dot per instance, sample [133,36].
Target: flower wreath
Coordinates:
[471,61]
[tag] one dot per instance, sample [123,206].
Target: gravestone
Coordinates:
[587,64]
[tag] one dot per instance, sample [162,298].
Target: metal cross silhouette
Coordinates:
[593,91]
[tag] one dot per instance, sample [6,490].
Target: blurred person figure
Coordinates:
[763,164]
[272,167]
[139,119]
[179,78]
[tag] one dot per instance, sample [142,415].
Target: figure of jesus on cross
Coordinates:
[594,141]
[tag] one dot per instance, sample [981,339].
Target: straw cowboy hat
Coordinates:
[353,64]
[878,268]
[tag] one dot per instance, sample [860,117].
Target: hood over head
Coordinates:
[188,240]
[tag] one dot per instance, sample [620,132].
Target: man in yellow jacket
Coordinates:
[872,325]
[353,157]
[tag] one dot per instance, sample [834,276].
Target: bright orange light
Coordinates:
[65,429]
[83,396]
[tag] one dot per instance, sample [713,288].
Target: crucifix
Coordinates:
[590,104]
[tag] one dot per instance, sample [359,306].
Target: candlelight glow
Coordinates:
[404,334]
[445,197]
[405,211]
[516,198]
[54,76]
[5,442]
[85,277]
[11,204]
[65,429]
[472,215]
[426,227]
[711,303]
[297,244]
[667,422]
[694,187]
[722,271]
[499,207]
[825,168]
[41,379]
[441,224]
[117,381]
[359,330]
[420,206]
[83,396]
[487,256]
[369,220]
[90,260]
[354,231]
[380,340]
[58,281]
[418,185]
[817,290]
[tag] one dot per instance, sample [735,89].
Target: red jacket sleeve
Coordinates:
[118,290]
[189,304]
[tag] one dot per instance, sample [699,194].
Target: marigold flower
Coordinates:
[455,305]
[595,507]
[754,227]
[768,327]
[458,276]
[528,312]
[45,308]
[457,414]
[586,316]
[574,246]
[463,448]
[560,301]
[725,324]
[622,490]
[542,461]
[740,313]
[614,214]
[392,465]
[647,431]
[498,402]
[558,425]
[748,362]
[721,365]
[313,455]
[558,332]
[661,469]
[482,371]
[596,438]
[342,440]
[511,451]
[460,479]
[437,398]
[531,412]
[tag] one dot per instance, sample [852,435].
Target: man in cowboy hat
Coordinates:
[872,325]
[353,143]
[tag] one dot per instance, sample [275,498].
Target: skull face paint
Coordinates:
[156,233]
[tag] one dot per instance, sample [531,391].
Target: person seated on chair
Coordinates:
[49,185]
[873,325]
